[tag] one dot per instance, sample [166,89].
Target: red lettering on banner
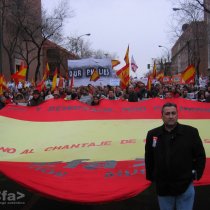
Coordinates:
[27,151]
[85,144]
[103,143]
[75,145]
[66,147]
[128,141]
[53,148]
[48,149]
[107,143]
[7,150]
[92,144]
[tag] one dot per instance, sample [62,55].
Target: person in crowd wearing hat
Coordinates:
[56,94]
[96,101]
[19,99]
[36,99]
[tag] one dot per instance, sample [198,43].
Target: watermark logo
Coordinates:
[10,198]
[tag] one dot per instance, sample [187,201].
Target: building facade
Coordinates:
[57,57]
[191,49]
[16,45]
[13,39]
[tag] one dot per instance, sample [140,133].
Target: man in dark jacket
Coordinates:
[36,100]
[174,157]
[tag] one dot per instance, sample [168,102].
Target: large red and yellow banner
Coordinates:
[91,154]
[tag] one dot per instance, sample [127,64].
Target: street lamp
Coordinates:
[167,64]
[176,9]
[168,53]
[77,41]
[181,9]
[83,35]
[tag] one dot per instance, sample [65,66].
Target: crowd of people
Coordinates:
[28,95]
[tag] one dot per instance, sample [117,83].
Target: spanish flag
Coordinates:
[61,82]
[188,74]
[46,72]
[154,72]
[115,63]
[126,58]
[41,85]
[94,76]
[3,84]
[149,83]
[20,76]
[73,152]
[160,76]
[54,81]
[123,73]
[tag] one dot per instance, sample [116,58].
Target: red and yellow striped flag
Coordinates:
[20,76]
[46,72]
[94,76]
[3,84]
[124,72]
[188,74]
[115,63]
[154,72]
[126,58]
[41,85]
[149,83]
[54,81]
[160,76]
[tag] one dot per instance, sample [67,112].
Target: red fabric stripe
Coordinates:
[60,110]
[87,182]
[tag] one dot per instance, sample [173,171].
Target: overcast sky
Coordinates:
[113,24]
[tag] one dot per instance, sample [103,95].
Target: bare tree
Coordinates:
[27,53]
[202,5]
[78,46]
[10,29]
[39,32]
[82,49]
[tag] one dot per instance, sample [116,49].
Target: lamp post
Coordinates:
[167,64]
[168,53]
[77,42]
[178,9]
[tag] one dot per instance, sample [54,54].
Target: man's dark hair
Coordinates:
[168,104]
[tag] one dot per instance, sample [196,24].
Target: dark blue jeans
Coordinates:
[182,202]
